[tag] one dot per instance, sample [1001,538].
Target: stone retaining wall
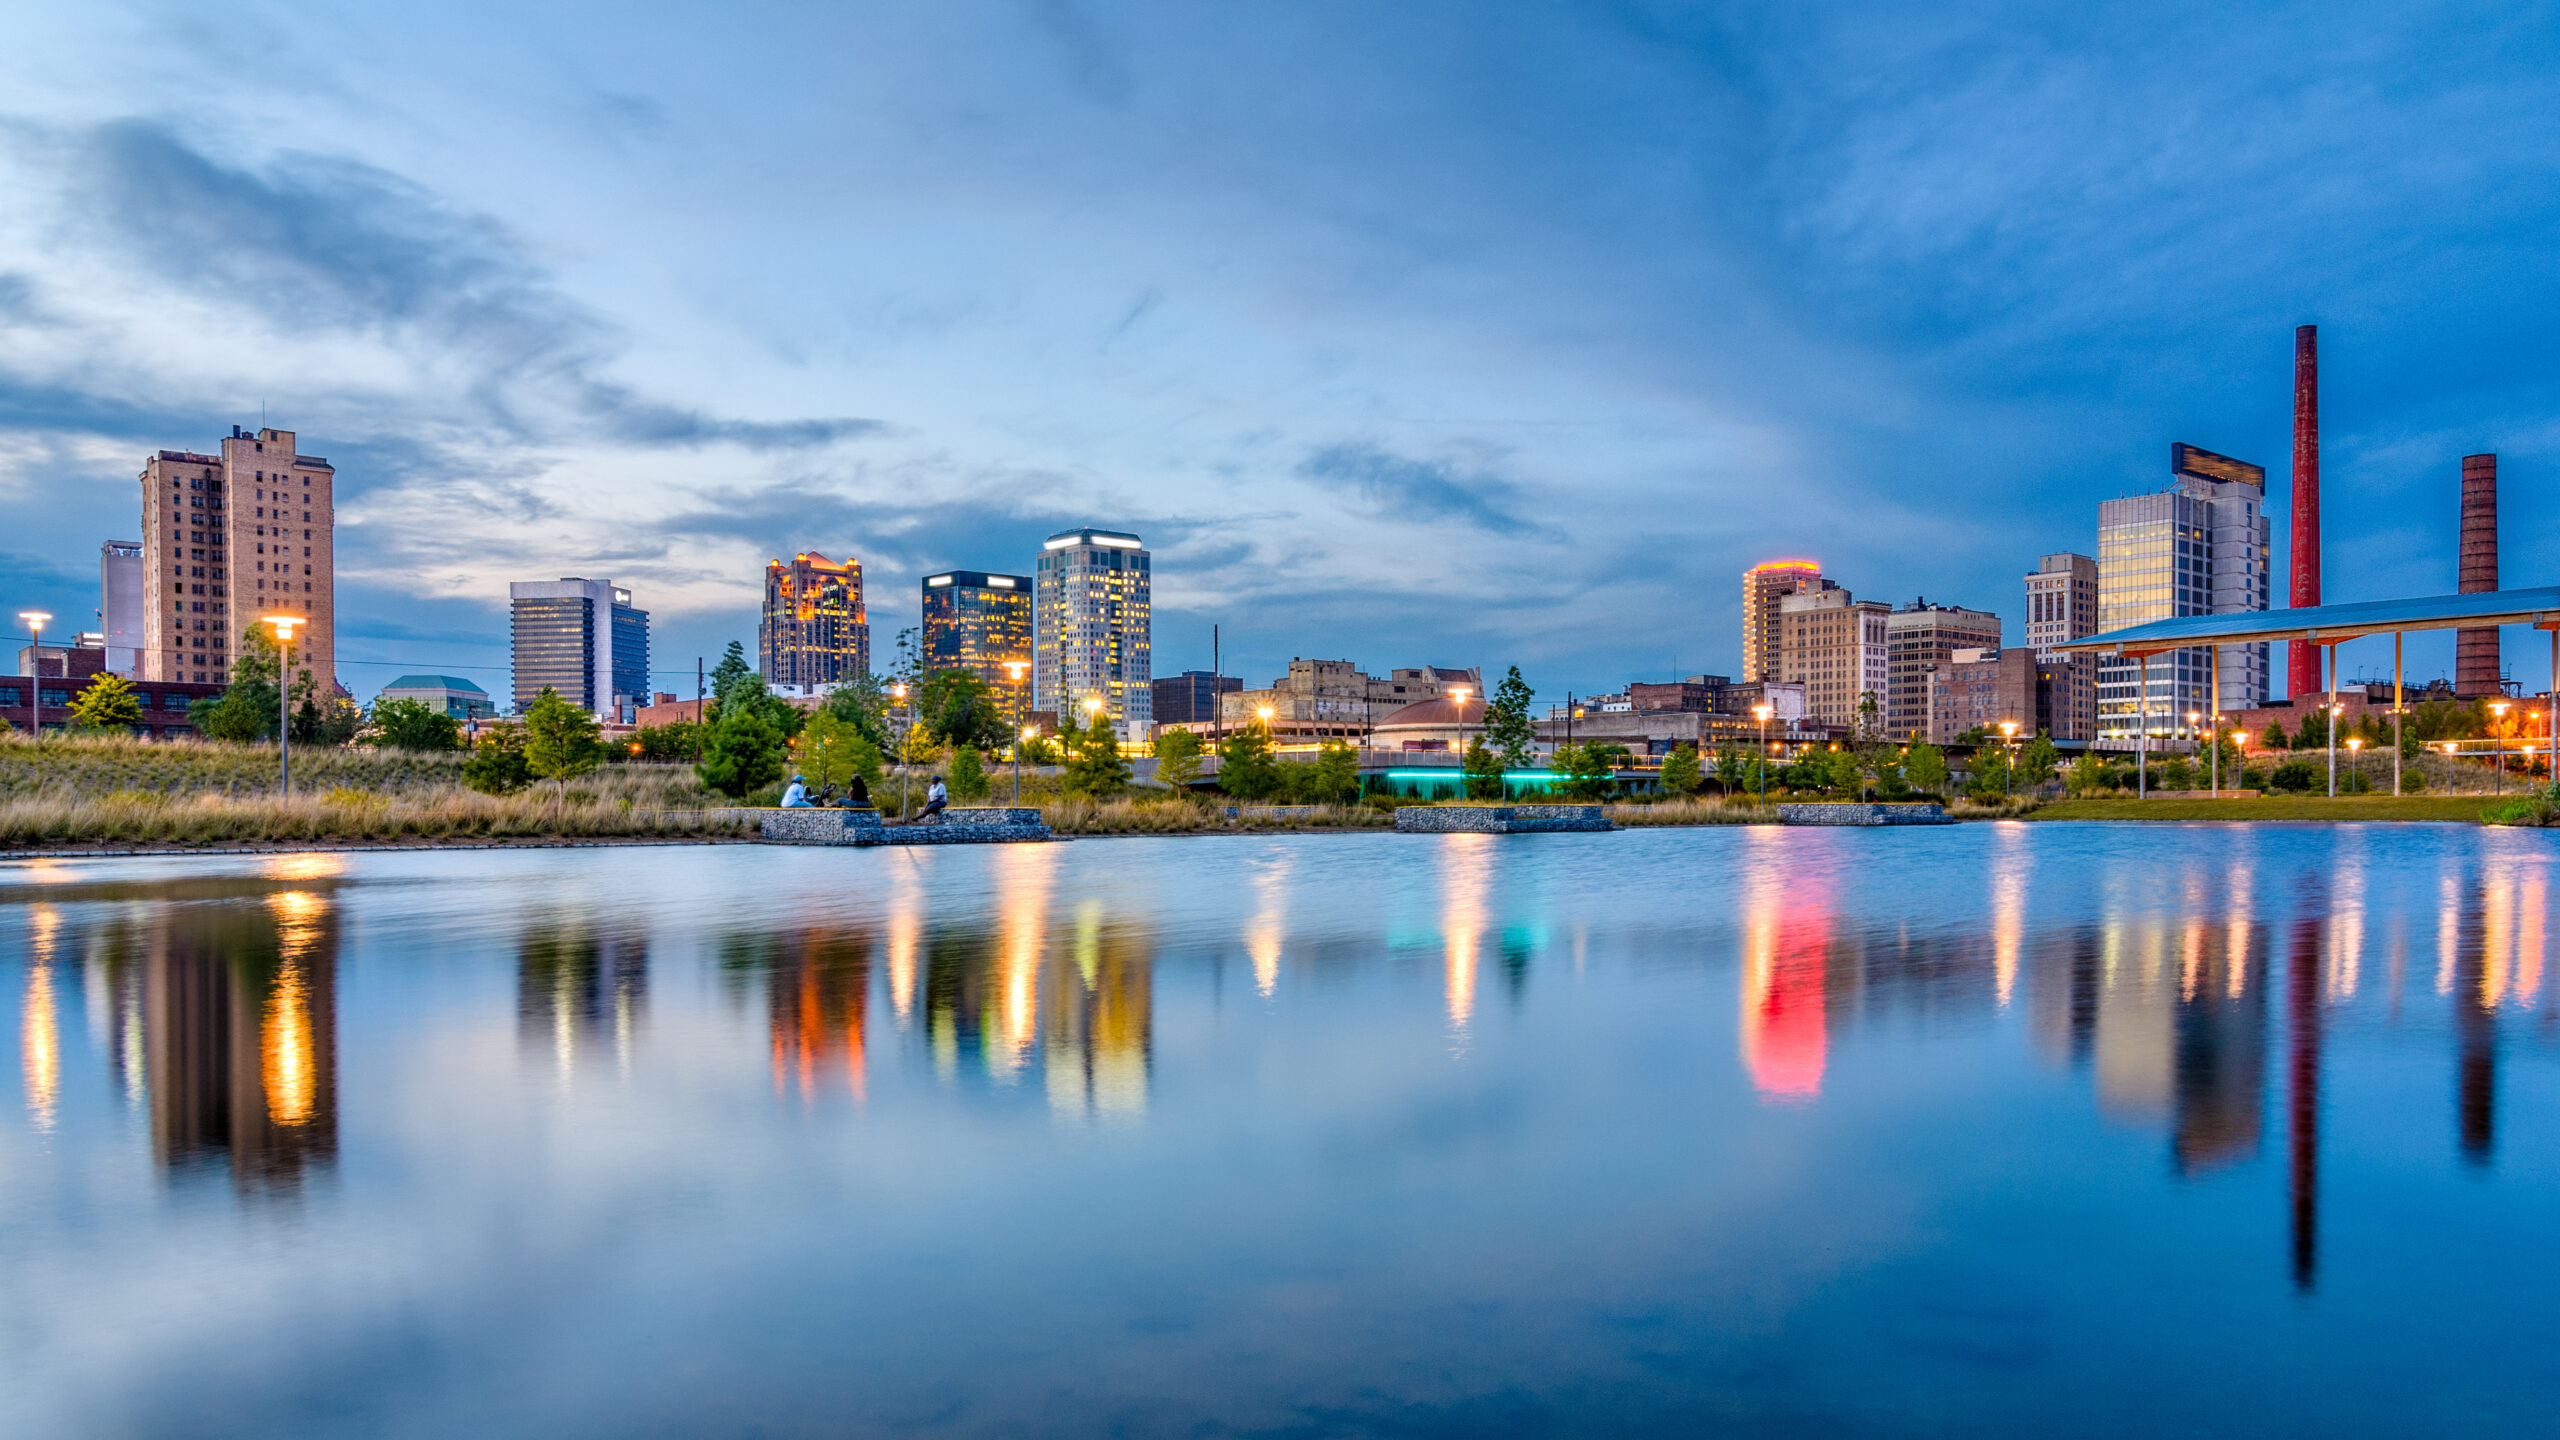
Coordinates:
[977,826]
[1863,814]
[1498,819]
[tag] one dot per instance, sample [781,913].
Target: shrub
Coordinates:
[968,774]
[497,765]
[2294,777]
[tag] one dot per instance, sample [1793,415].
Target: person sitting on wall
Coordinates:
[857,796]
[797,797]
[935,797]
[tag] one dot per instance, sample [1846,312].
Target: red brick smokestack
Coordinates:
[2302,672]
[2475,652]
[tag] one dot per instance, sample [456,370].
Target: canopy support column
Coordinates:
[2551,729]
[2329,722]
[2142,734]
[2213,722]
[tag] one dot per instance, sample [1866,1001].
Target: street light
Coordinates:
[906,722]
[283,626]
[1029,734]
[2354,744]
[2009,733]
[2499,709]
[2332,728]
[1762,714]
[35,668]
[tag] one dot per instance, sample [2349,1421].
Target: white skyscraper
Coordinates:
[2197,548]
[1089,631]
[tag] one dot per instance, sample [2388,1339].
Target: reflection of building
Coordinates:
[1097,1030]
[582,638]
[239,1037]
[2221,1046]
[1786,941]
[2197,548]
[815,630]
[1091,630]
[817,999]
[981,623]
[574,988]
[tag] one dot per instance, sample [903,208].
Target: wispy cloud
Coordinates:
[1389,486]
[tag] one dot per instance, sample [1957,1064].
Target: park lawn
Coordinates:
[2277,807]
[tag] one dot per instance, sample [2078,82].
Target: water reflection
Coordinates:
[578,990]
[1786,937]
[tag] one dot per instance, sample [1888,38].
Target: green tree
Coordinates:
[1095,769]
[672,741]
[1507,727]
[1482,770]
[745,754]
[862,702]
[561,741]
[968,774]
[1843,770]
[1732,768]
[828,751]
[1334,778]
[2274,738]
[1245,767]
[1178,758]
[1926,768]
[1584,771]
[958,709]
[733,680]
[2036,762]
[106,703]
[2314,734]
[1990,773]
[402,724]
[1681,777]
[497,765]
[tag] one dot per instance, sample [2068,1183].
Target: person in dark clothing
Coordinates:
[935,797]
[856,794]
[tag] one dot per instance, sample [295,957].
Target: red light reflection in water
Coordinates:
[1786,931]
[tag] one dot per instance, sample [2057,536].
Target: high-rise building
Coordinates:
[230,539]
[815,630]
[121,573]
[1763,586]
[1838,648]
[2197,548]
[2062,602]
[1919,638]
[582,638]
[981,623]
[1090,625]
[1192,696]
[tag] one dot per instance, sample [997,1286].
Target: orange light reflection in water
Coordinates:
[1022,899]
[1462,919]
[1786,931]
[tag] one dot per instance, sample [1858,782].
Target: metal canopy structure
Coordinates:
[2331,624]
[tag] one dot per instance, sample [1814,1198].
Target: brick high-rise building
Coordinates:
[981,623]
[1838,648]
[1919,638]
[2062,601]
[1091,613]
[1763,586]
[815,630]
[229,539]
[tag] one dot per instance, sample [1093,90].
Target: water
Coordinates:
[1990,1129]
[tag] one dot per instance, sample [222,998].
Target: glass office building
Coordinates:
[981,623]
[2198,548]
[582,638]
[1089,641]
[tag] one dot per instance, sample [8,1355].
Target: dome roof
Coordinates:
[1437,712]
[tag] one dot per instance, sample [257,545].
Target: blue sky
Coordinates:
[1454,334]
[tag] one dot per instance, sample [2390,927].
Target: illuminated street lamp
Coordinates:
[2009,734]
[2499,709]
[283,626]
[2354,744]
[1029,734]
[1017,667]
[2332,737]
[35,668]
[1762,714]
[906,722]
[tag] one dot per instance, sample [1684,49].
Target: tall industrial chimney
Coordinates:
[2302,670]
[2475,652]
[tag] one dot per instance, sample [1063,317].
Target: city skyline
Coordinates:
[1745,289]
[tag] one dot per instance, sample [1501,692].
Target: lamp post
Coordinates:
[1025,738]
[1762,713]
[2499,709]
[283,626]
[2354,744]
[906,722]
[2329,735]
[35,669]
[1462,692]
[2009,735]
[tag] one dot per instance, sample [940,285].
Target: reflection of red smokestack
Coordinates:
[2475,652]
[2302,672]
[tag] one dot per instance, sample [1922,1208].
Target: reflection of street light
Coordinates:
[2009,733]
[1762,714]
[35,668]
[283,626]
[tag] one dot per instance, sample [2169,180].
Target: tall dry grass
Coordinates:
[341,814]
[73,767]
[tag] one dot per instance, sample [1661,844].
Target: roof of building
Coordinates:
[1443,711]
[433,682]
[2332,623]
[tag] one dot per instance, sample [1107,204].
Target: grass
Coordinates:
[2466,808]
[74,766]
[340,815]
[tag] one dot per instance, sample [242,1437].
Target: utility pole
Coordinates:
[698,708]
[1217,691]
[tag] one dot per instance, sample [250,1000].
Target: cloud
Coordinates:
[1396,487]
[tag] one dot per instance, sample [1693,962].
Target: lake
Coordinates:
[1987,1129]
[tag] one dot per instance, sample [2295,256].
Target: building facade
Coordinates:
[1335,700]
[1192,696]
[1090,620]
[1763,586]
[450,694]
[582,638]
[122,571]
[2062,601]
[814,629]
[2197,548]
[38,700]
[228,540]
[1919,638]
[981,623]
[1838,648]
